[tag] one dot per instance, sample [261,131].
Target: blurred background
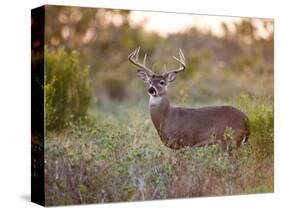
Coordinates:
[226,56]
[101,145]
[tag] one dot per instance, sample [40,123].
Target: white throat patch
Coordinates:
[155,100]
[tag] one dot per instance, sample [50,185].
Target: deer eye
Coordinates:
[162,82]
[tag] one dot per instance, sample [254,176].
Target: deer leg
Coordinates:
[231,143]
[224,145]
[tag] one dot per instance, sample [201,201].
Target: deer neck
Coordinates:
[159,110]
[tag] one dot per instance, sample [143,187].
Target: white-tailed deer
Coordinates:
[180,127]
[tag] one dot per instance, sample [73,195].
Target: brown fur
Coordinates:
[180,127]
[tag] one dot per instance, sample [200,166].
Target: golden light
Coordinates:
[167,23]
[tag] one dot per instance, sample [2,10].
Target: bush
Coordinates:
[121,158]
[261,117]
[67,88]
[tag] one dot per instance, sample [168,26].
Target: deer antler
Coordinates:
[181,60]
[134,57]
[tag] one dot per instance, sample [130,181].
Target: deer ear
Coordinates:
[170,76]
[143,75]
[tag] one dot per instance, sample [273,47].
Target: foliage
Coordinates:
[67,88]
[121,158]
[261,115]
[239,61]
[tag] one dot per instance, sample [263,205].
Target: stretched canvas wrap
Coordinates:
[142,105]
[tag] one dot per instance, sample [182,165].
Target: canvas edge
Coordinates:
[37,105]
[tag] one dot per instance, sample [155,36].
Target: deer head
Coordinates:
[157,83]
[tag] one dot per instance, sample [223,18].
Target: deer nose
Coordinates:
[152,91]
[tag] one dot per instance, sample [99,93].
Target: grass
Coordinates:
[116,155]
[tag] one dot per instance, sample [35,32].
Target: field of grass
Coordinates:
[116,155]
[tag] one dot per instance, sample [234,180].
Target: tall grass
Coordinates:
[117,156]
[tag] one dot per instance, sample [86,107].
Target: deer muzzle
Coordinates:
[152,91]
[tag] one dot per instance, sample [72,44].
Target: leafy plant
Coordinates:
[121,158]
[67,88]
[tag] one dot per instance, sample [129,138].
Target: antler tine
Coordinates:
[182,55]
[137,54]
[181,60]
[134,57]
[144,59]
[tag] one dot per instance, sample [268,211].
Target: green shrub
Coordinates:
[121,158]
[261,118]
[67,88]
